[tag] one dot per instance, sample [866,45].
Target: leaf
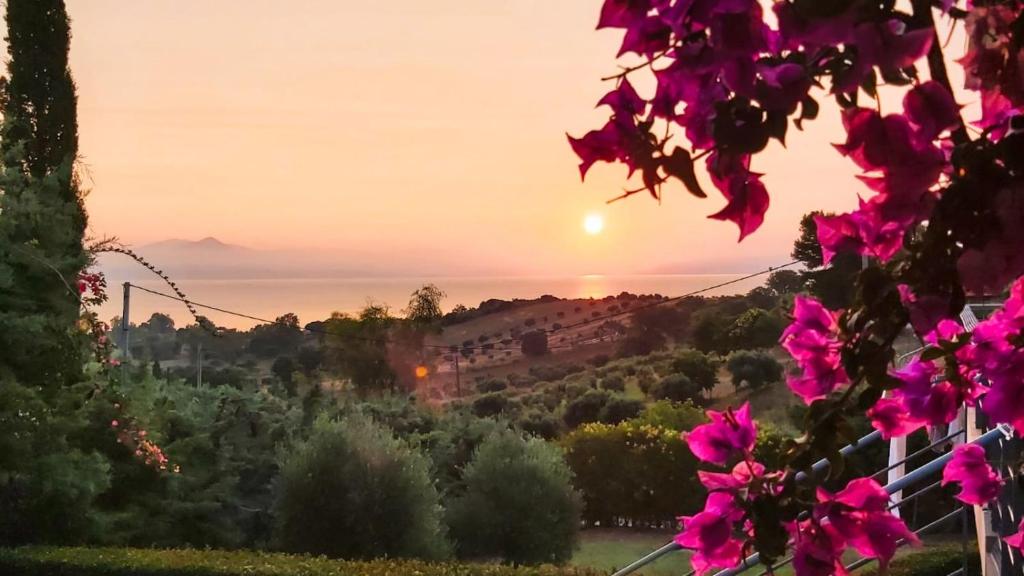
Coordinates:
[809,109]
[777,124]
[680,165]
[869,397]
[932,353]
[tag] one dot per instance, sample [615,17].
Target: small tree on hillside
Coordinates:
[698,367]
[676,387]
[534,343]
[753,369]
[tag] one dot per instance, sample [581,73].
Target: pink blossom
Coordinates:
[740,477]
[114,423]
[859,513]
[748,202]
[729,433]
[812,339]
[710,534]
[931,108]
[819,550]
[1016,540]
[926,311]
[979,483]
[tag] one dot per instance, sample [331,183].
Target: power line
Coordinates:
[483,347]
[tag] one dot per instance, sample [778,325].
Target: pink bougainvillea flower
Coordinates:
[781,88]
[729,433]
[931,108]
[859,513]
[710,534]
[622,13]
[819,550]
[741,475]
[613,142]
[890,417]
[1016,540]
[646,37]
[748,202]
[812,339]
[624,100]
[926,311]
[979,483]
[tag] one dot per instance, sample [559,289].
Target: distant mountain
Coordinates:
[212,259]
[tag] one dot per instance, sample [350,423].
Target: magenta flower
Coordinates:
[890,417]
[740,477]
[931,108]
[748,202]
[710,534]
[813,341]
[1016,540]
[624,100]
[622,13]
[819,550]
[926,311]
[859,513]
[979,483]
[729,433]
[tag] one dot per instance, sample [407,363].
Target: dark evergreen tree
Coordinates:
[42,218]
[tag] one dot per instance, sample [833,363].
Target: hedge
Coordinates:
[931,561]
[46,561]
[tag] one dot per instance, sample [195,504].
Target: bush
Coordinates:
[490,404]
[755,369]
[696,366]
[491,385]
[519,504]
[599,360]
[632,474]
[586,408]
[682,416]
[138,562]
[540,424]
[614,383]
[676,387]
[620,408]
[534,343]
[340,492]
[932,561]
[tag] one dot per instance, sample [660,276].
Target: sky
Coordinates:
[408,131]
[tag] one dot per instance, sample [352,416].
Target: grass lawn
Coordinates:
[611,549]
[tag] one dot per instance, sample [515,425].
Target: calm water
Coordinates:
[316,299]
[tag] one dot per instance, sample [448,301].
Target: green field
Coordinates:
[609,550]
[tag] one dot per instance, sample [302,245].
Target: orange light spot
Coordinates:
[421,371]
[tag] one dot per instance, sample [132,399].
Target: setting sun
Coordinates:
[593,224]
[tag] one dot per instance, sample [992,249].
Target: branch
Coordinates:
[937,61]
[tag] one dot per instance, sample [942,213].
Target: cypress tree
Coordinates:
[42,217]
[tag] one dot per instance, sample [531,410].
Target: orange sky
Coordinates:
[404,127]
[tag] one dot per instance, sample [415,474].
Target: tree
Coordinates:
[341,491]
[525,483]
[755,369]
[696,366]
[534,343]
[833,284]
[785,281]
[357,348]
[424,309]
[676,387]
[586,408]
[284,369]
[755,328]
[283,336]
[44,220]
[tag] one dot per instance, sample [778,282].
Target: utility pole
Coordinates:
[458,379]
[124,332]
[199,366]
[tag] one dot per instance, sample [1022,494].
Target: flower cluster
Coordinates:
[813,341]
[941,220]
[92,288]
[130,435]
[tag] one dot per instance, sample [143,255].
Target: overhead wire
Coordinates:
[481,347]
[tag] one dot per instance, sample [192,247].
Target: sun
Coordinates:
[593,224]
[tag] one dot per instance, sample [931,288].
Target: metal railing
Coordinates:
[910,479]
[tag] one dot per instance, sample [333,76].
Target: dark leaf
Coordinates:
[680,165]
[777,125]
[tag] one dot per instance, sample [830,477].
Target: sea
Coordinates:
[317,299]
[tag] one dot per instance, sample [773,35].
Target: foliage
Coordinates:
[40,561]
[931,561]
[753,368]
[424,309]
[491,404]
[681,416]
[613,383]
[534,343]
[586,408]
[631,473]
[834,284]
[783,282]
[519,504]
[354,478]
[491,385]
[698,367]
[677,388]
[619,408]
[755,328]
[357,348]
[281,337]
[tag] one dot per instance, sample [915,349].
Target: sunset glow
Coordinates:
[593,224]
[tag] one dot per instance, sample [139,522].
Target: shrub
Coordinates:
[755,369]
[682,416]
[931,561]
[490,404]
[645,379]
[614,383]
[586,408]
[540,424]
[519,504]
[491,385]
[676,387]
[534,343]
[696,366]
[520,381]
[599,360]
[633,474]
[620,408]
[40,561]
[340,492]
